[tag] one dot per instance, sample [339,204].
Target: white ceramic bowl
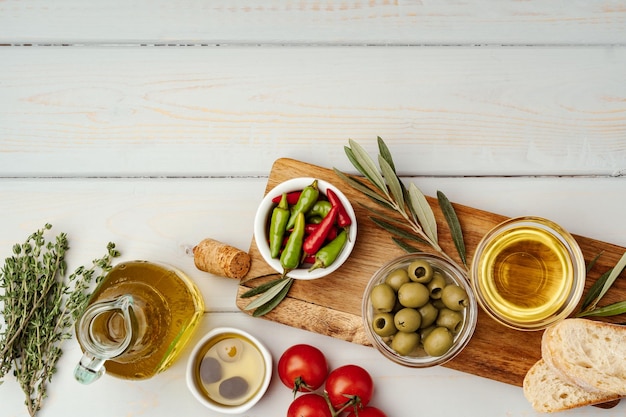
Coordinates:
[264,213]
[256,389]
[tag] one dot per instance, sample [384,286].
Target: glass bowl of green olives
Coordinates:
[419,310]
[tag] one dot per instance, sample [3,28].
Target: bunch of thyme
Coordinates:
[39,305]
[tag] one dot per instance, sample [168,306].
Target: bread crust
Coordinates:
[589,353]
[583,363]
[548,392]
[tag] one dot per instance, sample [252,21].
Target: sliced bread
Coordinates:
[588,353]
[548,392]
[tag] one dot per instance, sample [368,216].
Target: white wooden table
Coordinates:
[154,124]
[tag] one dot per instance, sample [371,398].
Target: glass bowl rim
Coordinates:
[461,339]
[575,256]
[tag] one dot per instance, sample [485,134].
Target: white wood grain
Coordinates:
[157,218]
[397,389]
[232,111]
[361,22]
[160,218]
[458,89]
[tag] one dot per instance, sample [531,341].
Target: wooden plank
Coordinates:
[314,22]
[332,305]
[200,111]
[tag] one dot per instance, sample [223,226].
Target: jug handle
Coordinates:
[89,369]
[91,365]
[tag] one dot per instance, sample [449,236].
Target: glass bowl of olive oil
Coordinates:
[527,273]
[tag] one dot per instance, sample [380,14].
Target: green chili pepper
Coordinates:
[278,225]
[327,255]
[307,199]
[290,258]
[314,220]
[320,209]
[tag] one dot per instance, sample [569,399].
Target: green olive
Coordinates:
[413,294]
[383,325]
[438,342]
[420,271]
[435,286]
[429,314]
[404,343]
[407,320]
[454,297]
[396,278]
[383,298]
[451,320]
[426,331]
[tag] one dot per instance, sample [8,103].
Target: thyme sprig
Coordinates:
[385,188]
[40,304]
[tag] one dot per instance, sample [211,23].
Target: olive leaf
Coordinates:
[380,213]
[614,309]
[593,262]
[405,246]
[409,201]
[594,292]
[423,211]
[385,153]
[361,187]
[621,264]
[269,306]
[270,293]
[604,283]
[263,287]
[365,165]
[453,224]
[393,182]
[397,231]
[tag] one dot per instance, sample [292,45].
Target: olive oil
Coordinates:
[230,369]
[525,274]
[167,307]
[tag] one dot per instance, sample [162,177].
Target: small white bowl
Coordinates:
[264,212]
[252,349]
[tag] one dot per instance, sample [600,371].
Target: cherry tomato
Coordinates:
[309,405]
[368,412]
[349,386]
[302,368]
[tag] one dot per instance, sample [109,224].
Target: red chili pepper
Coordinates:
[343,219]
[309,259]
[315,240]
[332,234]
[292,197]
[312,228]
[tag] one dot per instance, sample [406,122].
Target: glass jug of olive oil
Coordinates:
[137,321]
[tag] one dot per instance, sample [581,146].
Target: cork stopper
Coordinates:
[221,259]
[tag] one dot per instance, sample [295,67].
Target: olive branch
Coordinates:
[383,186]
[589,306]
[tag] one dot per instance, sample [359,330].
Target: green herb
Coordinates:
[387,190]
[599,288]
[39,307]
[272,293]
[453,224]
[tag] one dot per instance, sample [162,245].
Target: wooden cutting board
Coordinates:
[332,305]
